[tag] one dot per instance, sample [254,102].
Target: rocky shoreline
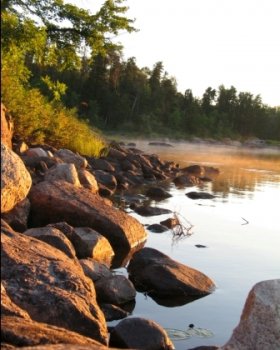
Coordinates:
[62,235]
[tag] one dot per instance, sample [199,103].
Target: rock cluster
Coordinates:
[61,237]
[57,286]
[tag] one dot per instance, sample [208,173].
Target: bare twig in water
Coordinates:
[246,221]
[181,230]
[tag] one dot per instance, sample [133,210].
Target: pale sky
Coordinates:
[206,43]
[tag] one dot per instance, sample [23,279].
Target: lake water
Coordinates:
[240,228]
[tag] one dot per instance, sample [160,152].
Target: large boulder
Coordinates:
[6,127]
[52,202]
[15,179]
[26,332]
[51,287]
[151,270]
[54,237]
[259,326]
[140,333]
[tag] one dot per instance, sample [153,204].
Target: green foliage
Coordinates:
[58,62]
[56,88]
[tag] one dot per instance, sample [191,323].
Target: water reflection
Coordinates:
[175,301]
[238,255]
[241,171]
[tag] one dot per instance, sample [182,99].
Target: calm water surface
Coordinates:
[240,228]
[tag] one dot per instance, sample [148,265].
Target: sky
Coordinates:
[206,43]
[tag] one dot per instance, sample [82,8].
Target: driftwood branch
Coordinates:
[181,230]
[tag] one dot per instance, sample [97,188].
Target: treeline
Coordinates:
[79,72]
[114,94]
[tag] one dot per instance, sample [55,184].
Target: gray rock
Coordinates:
[140,333]
[70,157]
[36,152]
[64,171]
[259,326]
[15,179]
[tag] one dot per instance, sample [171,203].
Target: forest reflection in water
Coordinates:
[241,169]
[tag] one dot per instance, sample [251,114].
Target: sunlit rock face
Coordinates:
[18,332]
[51,287]
[53,202]
[15,179]
[259,326]
[6,127]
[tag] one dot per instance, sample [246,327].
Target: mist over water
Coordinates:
[240,228]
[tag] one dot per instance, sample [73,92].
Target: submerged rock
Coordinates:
[157,228]
[200,195]
[157,193]
[149,211]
